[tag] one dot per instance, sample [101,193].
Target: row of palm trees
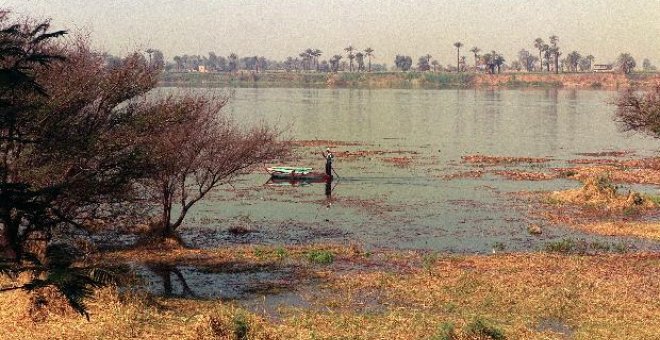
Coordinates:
[310,58]
[548,57]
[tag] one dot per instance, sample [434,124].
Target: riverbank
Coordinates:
[424,80]
[347,292]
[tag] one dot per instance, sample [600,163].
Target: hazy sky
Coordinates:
[277,29]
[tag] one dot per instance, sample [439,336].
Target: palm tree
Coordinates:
[334,62]
[150,51]
[316,54]
[499,61]
[546,54]
[360,60]
[351,56]
[555,51]
[539,44]
[458,46]
[308,55]
[178,62]
[474,51]
[368,52]
[233,62]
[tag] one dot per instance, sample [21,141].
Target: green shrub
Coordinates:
[281,253]
[499,246]
[428,260]
[446,331]
[241,327]
[478,328]
[562,246]
[320,257]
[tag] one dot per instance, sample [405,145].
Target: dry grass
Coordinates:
[616,174]
[498,160]
[464,174]
[410,296]
[357,154]
[516,175]
[598,208]
[401,162]
[598,192]
[606,153]
[323,143]
[624,228]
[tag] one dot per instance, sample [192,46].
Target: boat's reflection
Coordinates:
[329,187]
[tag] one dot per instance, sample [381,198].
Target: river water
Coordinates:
[378,203]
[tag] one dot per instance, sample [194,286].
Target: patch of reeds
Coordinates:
[498,160]
[601,192]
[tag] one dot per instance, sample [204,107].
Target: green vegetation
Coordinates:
[569,246]
[480,329]
[499,246]
[446,331]
[320,257]
[241,327]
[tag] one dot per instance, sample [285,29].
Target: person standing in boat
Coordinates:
[328,162]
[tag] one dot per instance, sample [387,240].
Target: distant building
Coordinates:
[602,68]
[202,69]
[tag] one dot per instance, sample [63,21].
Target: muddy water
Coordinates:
[380,203]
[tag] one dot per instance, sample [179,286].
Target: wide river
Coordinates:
[379,203]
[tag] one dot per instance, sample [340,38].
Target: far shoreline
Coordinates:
[412,80]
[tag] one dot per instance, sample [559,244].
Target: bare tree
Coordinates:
[639,111]
[194,149]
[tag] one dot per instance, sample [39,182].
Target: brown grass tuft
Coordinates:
[599,192]
[496,160]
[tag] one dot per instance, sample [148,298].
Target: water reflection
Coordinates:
[164,272]
[232,280]
[329,185]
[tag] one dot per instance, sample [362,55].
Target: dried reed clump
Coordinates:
[353,155]
[496,160]
[399,161]
[526,175]
[46,301]
[323,143]
[649,230]
[464,174]
[606,153]
[599,192]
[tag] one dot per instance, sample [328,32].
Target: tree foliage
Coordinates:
[63,157]
[193,149]
[626,63]
[82,148]
[639,111]
[403,63]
